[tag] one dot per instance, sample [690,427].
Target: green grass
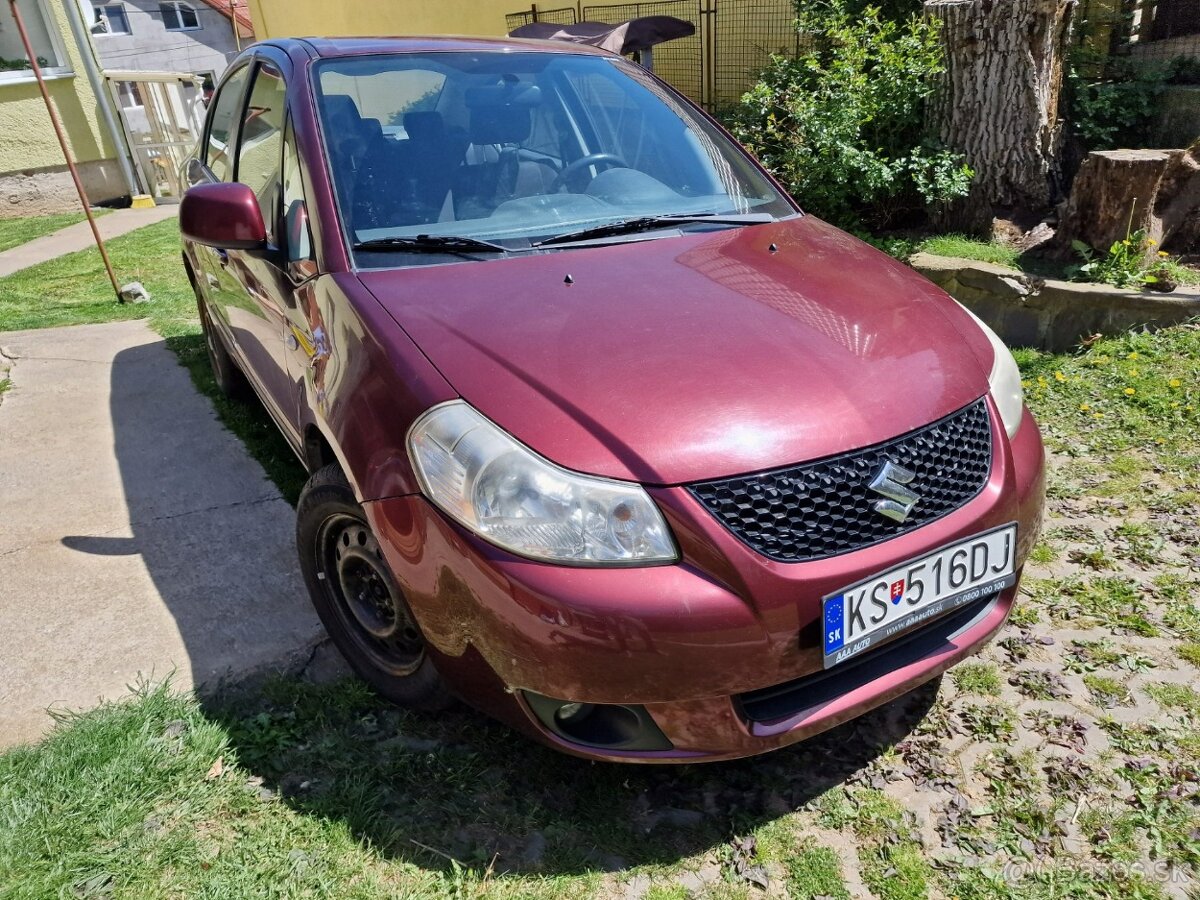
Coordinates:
[15,232]
[1190,652]
[1176,696]
[813,872]
[976,678]
[74,289]
[963,247]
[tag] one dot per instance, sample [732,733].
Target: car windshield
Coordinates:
[517,148]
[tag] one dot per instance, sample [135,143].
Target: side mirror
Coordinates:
[224,215]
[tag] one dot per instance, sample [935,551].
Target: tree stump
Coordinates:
[997,103]
[1121,191]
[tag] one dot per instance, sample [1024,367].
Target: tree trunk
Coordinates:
[997,103]
[1121,191]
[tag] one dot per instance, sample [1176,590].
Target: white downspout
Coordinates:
[87,51]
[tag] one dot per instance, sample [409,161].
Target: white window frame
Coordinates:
[102,11]
[176,7]
[63,70]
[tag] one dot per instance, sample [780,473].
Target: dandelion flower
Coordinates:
[1133,355]
[1175,382]
[1083,407]
[1129,392]
[1163,254]
[1059,376]
[1097,415]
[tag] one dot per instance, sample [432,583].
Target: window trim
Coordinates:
[102,15]
[235,130]
[296,270]
[51,73]
[274,221]
[176,7]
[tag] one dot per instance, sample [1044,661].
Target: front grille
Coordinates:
[820,509]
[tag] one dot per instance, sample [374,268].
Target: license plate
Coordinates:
[871,611]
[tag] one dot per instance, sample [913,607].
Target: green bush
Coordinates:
[1118,109]
[842,123]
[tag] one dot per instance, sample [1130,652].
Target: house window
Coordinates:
[113,19]
[179,16]
[14,64]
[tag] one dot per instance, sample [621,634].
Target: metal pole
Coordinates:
[237,37]
[62,142]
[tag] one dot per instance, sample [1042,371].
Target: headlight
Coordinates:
[1004,382]
[504,492]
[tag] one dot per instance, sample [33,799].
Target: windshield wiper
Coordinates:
[649,223]
[430,243]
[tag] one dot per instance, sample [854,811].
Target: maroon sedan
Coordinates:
[606,436]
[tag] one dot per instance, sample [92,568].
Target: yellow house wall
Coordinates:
[295,18]
[26,137]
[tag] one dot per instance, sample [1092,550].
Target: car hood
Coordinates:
[688,358]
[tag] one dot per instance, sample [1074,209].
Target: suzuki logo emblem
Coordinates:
[890,482]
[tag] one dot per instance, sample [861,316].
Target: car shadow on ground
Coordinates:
[429,789]
[207,576]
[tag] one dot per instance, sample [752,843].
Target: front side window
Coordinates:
[518,148]
[14,64]
[112,19]
[260,148]
[179,16]
[223,120]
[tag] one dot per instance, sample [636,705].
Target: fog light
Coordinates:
[572,712]
[602,725]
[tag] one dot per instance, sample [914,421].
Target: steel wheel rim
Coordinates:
[365,597]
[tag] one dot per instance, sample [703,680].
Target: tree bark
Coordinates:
[997,103]
[1121,191]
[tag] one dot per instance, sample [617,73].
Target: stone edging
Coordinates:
[1028,311]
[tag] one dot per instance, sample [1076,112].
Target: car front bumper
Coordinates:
[722,649]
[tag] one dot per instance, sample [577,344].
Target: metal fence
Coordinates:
[716,65]
[681,62]
[745,34]
[1170,19]
[566,15]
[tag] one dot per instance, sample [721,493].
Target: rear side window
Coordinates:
[225,114]
[260,149]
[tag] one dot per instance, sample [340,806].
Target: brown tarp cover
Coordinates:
[628,37]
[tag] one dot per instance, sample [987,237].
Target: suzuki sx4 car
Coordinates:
[606,436]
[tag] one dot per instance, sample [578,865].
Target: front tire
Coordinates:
[357,597]
[230,381]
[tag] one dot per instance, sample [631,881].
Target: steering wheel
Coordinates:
[592,159]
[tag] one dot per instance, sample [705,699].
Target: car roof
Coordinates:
[330,47]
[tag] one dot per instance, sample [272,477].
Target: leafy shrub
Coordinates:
[842,123]
[1184,70]
[1118,109]
[1123,266]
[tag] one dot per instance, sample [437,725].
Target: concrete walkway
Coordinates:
[137,537]
[79,237]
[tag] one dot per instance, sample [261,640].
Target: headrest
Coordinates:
[342,109]
[424,126]
[500,125]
